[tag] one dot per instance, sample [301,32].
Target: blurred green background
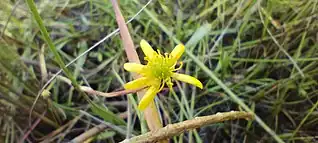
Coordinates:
[265,51]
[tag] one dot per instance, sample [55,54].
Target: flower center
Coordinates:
[160,66]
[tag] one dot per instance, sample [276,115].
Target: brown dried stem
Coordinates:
[89,133]
[94,131]
[178,128]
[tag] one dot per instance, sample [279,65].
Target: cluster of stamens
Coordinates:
[161,67]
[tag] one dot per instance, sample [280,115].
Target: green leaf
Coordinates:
[107,115]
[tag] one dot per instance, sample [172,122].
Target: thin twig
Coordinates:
[91,91]
[51,135]
[111,94]
[110,125]
[178,128]
[94,131]
[25,136]
[89,133]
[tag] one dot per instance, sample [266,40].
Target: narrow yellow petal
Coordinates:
[147,49]
[148,97]
[133,67]
[138,83]
[187,79]
[177,51]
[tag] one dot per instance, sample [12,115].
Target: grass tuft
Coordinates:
[257,56]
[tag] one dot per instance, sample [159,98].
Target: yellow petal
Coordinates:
[133,67]
[138,83]
[177,51]
[148,97]
[187,79]
[147,49]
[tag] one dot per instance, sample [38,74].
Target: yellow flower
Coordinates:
[158,72]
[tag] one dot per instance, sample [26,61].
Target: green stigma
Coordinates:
[161,67]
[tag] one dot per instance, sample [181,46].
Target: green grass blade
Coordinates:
[46,37]
[107,115]
[53,49]
[233,96]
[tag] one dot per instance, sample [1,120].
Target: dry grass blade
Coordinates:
[89,133]
[151,113]
[125,35]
